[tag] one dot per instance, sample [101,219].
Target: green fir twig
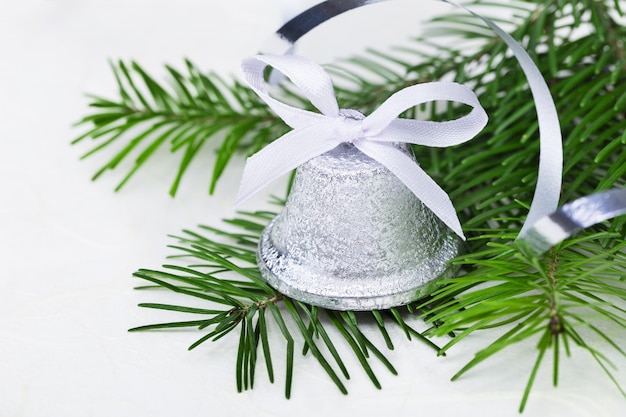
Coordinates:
[181,117]
[245,303]
[547,302]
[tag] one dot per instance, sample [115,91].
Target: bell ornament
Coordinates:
[352,236]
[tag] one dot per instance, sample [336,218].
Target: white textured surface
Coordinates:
[69,246]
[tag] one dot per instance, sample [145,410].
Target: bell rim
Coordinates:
[356,302]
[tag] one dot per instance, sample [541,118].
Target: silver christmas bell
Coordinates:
[352,236]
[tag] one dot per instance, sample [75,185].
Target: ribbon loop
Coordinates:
[315,134]
[310,78]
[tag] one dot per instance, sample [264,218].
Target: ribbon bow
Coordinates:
[314,134]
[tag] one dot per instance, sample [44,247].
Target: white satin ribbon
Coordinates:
[374,135]
[547,191]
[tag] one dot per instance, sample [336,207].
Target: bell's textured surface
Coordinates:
[353,237]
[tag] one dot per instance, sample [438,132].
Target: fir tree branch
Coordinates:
[578,46]
[545,302]
[199,107]
[195,108]
[242,303]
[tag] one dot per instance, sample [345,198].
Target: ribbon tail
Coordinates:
[414,177]
[550,175]
[282,156]
[572,217]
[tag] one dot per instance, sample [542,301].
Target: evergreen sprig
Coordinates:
[183,116]
[552,302]
[249,305]
[197,107]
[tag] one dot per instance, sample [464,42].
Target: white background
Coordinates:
[68,246]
